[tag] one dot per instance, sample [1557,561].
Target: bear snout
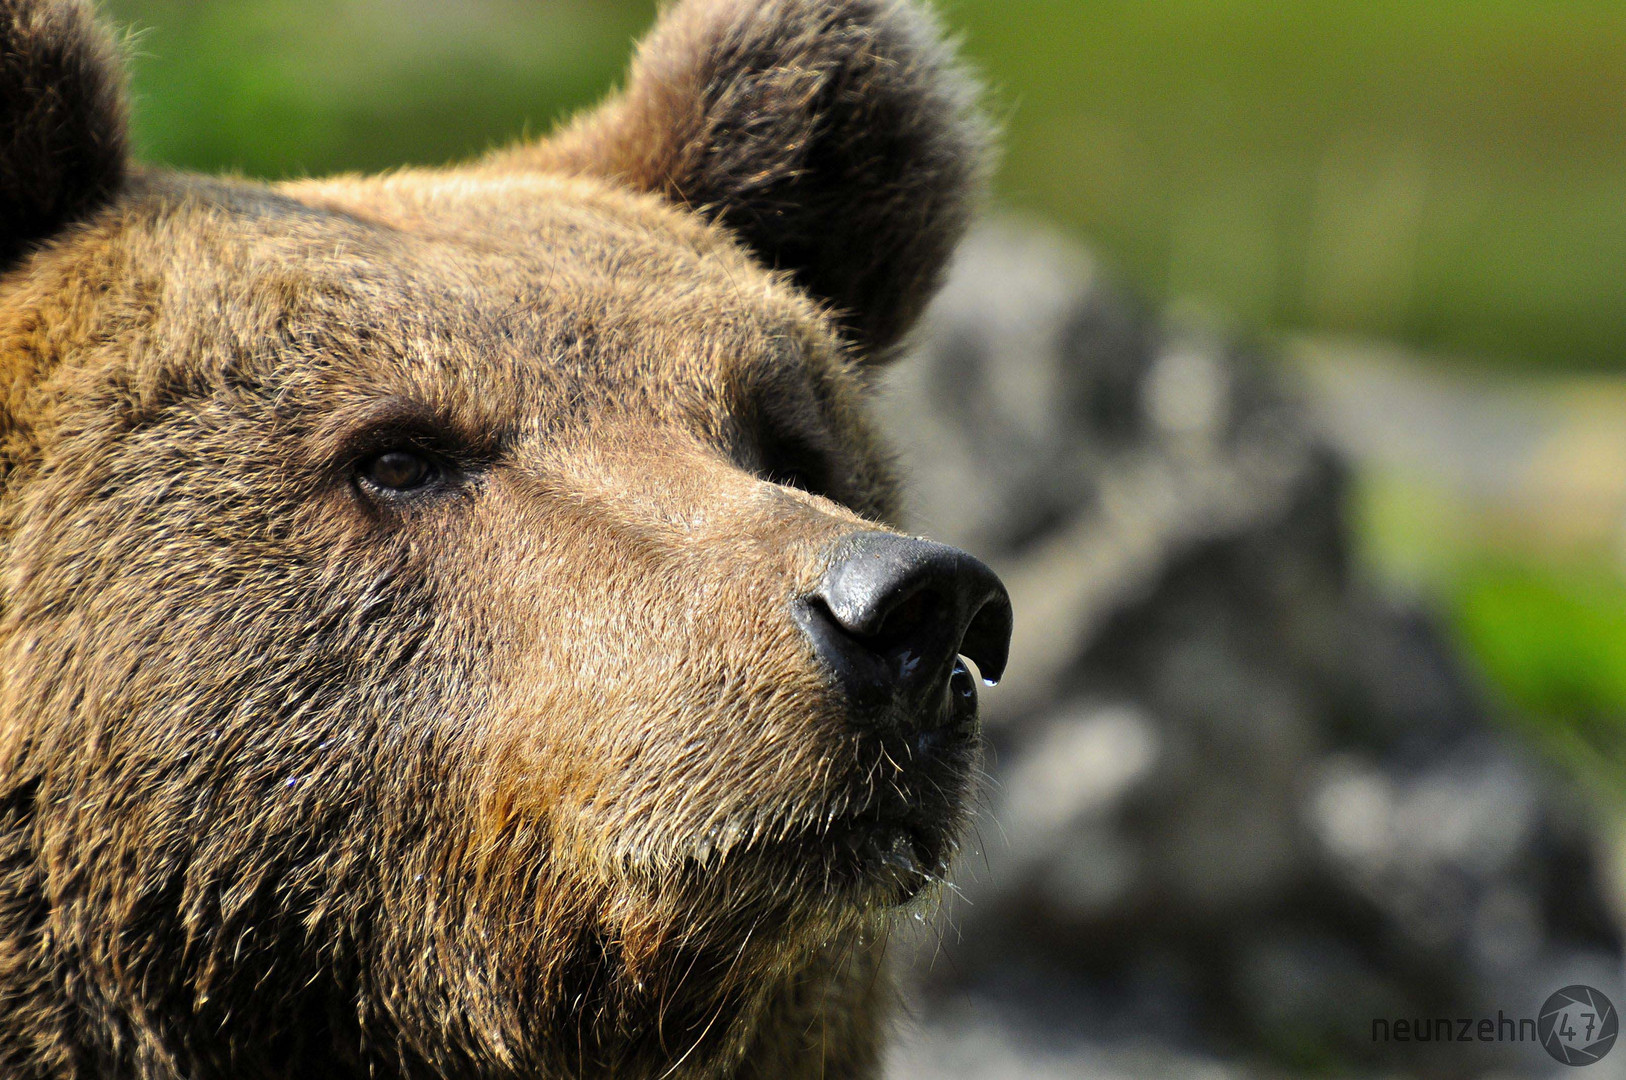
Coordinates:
[890,620]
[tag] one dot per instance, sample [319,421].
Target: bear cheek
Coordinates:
[649,741]
[648,685]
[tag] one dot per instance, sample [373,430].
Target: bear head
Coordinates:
[449,621]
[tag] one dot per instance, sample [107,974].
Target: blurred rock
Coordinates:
[1240,806]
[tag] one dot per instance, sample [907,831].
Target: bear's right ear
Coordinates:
[839,139]
[62,120]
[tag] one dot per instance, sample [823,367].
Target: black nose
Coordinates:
[892,616]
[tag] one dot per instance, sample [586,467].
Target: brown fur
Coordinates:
[530,775]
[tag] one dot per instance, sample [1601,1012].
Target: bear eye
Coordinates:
[398,470]
[795,462]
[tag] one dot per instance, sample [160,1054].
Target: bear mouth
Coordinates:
[876,858]
[887,835]
[905,836]
[895,860]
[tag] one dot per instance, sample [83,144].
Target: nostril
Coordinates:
[987,640]
[903,624]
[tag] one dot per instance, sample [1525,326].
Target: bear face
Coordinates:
[449,624]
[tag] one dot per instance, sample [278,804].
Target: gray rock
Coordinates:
[1240,805]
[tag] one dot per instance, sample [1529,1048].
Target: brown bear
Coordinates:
[449,625]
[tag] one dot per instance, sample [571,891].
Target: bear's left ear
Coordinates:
[62,123]
[838,138]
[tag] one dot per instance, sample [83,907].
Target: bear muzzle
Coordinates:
[892,621]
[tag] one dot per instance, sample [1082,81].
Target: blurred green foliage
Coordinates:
[1545,630]
[279,88]
[1555,641]
[1450,173]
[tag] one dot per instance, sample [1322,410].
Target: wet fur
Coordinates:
[513,780]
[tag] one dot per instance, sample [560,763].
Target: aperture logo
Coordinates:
[1578,1025]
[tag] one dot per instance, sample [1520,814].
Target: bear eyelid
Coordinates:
[350,431]
[351,434]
